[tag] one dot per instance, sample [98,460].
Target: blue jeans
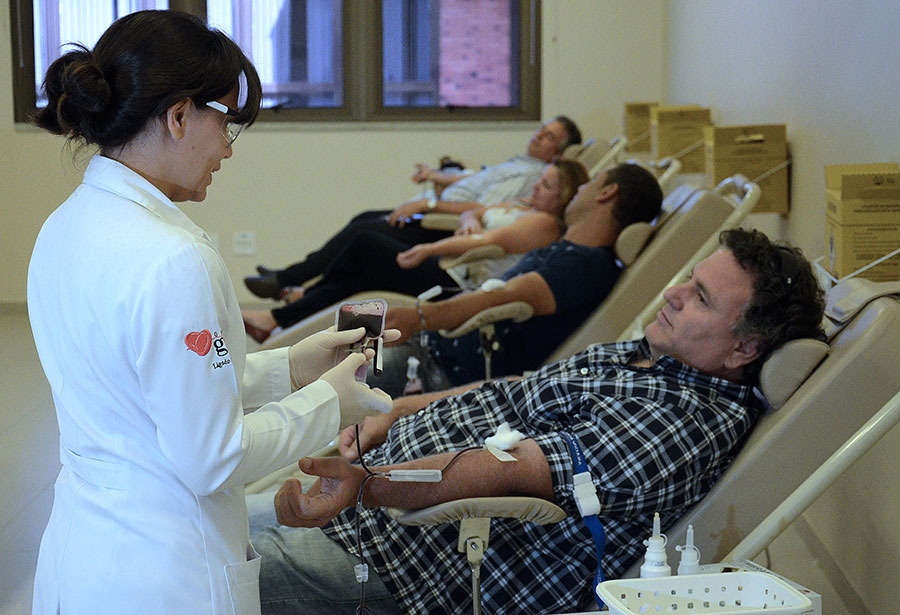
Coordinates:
[304,571]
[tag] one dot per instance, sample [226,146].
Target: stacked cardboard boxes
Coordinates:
[863,219]
[676,128]
[637,126]
[752,151]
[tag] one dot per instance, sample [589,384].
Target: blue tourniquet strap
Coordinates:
[588,505]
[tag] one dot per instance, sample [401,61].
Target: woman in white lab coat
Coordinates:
[163,417]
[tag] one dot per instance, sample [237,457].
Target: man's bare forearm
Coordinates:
[474,473]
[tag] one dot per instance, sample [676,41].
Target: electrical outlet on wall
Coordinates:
[243,243]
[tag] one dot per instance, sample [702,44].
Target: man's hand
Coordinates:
[408,259]
[400,214]
[336,489]
[404,318]
[372,432]
[422,174]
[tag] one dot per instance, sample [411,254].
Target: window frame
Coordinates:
[361,72]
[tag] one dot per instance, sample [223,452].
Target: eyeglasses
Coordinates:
[230,130]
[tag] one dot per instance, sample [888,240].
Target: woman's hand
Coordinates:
[357,400]
[314,355]
[413,257]
[469,222]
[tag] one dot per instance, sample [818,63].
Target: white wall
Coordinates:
[295,185]
[827,69]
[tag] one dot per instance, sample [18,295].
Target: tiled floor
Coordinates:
[29,462]
[29,458]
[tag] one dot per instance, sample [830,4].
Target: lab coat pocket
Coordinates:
[243,584]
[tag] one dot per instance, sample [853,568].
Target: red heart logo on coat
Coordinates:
[199,341]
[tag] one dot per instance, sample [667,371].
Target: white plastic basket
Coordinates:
[723,593]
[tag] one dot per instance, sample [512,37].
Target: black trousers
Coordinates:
[367,262]
[316,263]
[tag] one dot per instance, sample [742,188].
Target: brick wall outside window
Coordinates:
[475,53]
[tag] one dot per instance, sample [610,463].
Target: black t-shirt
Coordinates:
[579,277]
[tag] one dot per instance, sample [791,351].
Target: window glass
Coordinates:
[331,59]
[450,53]
[294,44]
[59,22]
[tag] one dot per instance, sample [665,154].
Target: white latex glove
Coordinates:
[313,356]
[357,400]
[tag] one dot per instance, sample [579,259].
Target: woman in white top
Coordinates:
[517,226]
[163,417]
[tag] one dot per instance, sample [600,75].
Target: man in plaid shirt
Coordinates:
[658,420]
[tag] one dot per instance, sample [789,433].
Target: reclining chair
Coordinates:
[596,157]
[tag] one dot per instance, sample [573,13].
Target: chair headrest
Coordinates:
[848,297]
[789,367]
[632,240]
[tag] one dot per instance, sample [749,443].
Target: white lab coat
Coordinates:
[140,335]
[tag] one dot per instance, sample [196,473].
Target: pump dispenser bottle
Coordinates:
[655,564]
[690,555]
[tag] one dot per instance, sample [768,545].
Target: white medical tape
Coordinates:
[501,455]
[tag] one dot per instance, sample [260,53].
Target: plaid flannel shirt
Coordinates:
[656,440]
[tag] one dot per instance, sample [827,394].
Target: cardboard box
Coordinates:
[752,151]
[862,223]
[637,126]
[676,128]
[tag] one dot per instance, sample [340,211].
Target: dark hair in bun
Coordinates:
[143,64]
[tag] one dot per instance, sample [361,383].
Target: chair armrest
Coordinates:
[440,221]
[517,311]
[534,510]
[475,254]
